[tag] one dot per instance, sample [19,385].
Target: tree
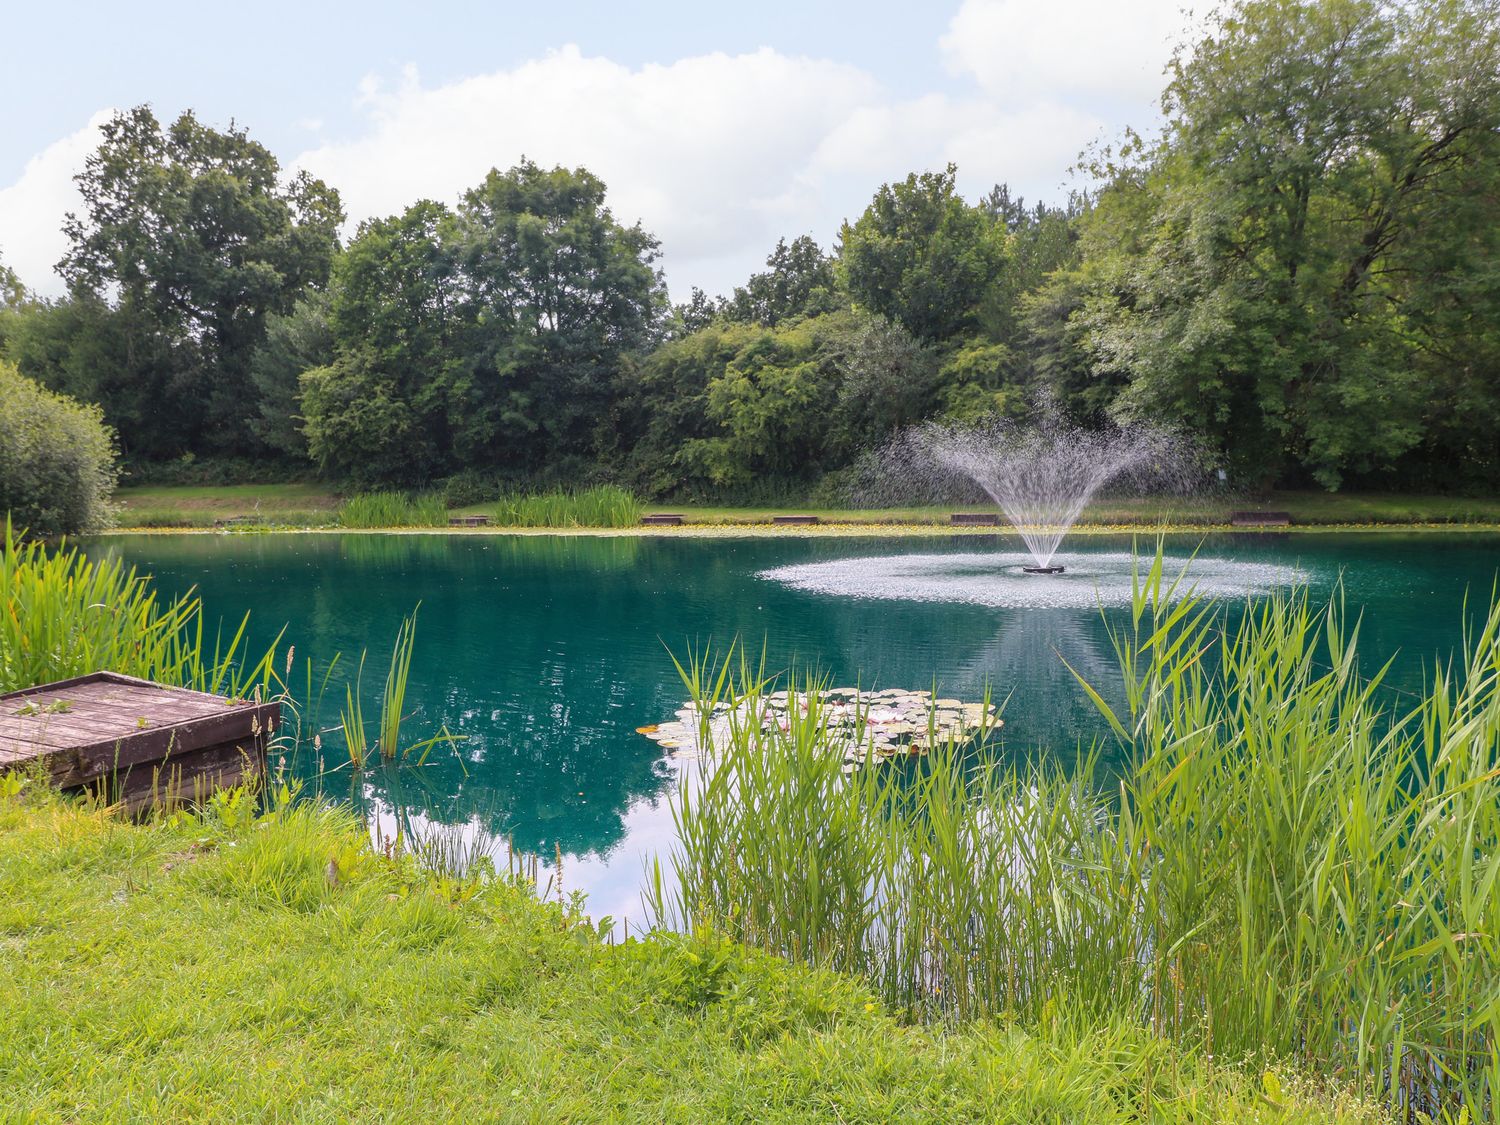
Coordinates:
[12,292]
[85,348]
[57,462]
[693,315]
[1296,226]
[924,258]
[295,342]
[492,337]
[379,411]
[557,292]
[191,231]
[799,282]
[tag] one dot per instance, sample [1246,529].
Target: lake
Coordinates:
[546,652]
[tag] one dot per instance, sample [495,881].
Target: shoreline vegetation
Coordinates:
[310,507]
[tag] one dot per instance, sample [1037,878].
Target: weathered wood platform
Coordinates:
[794,521]
[974,519]
[661,519]
[134,741]
[1260,519]
[468,521]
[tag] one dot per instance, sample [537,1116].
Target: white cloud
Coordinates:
[717,154]
[706,151]
[32,208]
[1101,51]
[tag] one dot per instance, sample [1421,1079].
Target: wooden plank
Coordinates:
[190,777]
[141,741]
[117,679]
[99,758]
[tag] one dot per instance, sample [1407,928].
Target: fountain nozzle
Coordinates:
[1054,569]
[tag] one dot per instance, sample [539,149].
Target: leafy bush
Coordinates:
[604,505]
[57,462]
[471,486]
[394,509]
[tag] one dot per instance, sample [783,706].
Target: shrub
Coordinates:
[57,462]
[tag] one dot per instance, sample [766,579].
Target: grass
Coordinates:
[311,505]
[301,504]
[393,509]
[600,506]
[1304,507]
[234,966]
[67,615]
[1292,866]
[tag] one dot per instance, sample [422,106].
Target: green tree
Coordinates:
[556,293]
[295,342]
[799,281]
[925,259]
[1297,227]
[85,348]
[194,235]
[12,292]
[57,462]
[378,412]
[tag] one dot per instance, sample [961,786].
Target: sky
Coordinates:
[720,128]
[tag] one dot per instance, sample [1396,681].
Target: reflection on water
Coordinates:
[547,652]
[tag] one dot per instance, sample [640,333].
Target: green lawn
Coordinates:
[296,505]
[316,505]
[275,969]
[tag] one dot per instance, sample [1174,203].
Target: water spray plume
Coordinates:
[1041,475]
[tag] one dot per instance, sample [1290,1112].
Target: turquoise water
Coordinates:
[546,652]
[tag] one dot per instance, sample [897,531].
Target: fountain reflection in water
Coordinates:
[1041,475]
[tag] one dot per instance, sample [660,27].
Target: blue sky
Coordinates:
[719,127]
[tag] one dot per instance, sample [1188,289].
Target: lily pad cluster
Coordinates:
[866,726]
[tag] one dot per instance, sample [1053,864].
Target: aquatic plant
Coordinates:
[65,614]
[394,509]
[603,505]
[392,707]
[1292,864]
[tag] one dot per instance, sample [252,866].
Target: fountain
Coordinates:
[1040,475]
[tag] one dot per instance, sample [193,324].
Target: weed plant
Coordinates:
[394,509]
[67,614]
[1289,867]
[600,506]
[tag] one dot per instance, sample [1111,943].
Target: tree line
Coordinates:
[1303,268]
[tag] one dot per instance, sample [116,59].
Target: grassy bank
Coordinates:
[225,968]
[312,505]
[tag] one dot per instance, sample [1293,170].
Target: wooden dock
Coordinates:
[134,741]
[974,519]
[662,519]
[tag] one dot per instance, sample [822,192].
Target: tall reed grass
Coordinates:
[394,509]
[603,505]
[65,614]
[392,710]
[1290,865]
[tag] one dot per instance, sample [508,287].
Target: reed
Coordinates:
[1291,866]
[394,509]
[600,506]
[65,614]
[392,709]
